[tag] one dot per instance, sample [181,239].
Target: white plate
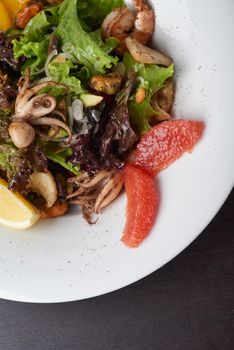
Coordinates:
[65,259]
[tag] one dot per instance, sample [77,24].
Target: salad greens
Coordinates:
[152,78]
[35,52]
[61,159]
[59,71]
[78,43]
[34,44]
[85,53]
[81,47]
[8,159]
[64,43]
[93,12]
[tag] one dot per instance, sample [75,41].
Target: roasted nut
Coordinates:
[27,12]
[22,134]
[109,84]
[140,95]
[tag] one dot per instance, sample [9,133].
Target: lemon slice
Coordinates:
[15,211]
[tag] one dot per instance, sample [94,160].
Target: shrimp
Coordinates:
[145,22]
[121,23]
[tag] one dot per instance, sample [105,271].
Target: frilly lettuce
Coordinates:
[35,52]
[37,27]
[83,48]
[59,71]
[34,44]
[108,45]
[78,43]
[153,78]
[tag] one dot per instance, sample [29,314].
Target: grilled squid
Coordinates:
[34,110]
[95,193]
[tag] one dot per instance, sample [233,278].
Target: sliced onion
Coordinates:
[49,59]
[40,81]
[141,80]
[77,110]
[66,55]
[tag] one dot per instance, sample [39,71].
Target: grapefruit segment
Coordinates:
[142,205]
[165,143]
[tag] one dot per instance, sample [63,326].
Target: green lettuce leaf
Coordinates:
[154,78]
[93,12]
[36,52]
[60,158]
[86,49]
[108,45]
[60,71]
[34,43]
[37,27]
[78,43]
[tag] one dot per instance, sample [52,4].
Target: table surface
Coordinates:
[186,305]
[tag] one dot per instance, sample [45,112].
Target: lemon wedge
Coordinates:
[15,211]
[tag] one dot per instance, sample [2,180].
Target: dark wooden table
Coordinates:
[186,305]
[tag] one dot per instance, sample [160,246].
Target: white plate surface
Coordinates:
[65,259]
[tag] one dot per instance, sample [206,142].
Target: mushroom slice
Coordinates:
[44,184]
[162,101]
[144,54]
[166,96]
[22,134]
